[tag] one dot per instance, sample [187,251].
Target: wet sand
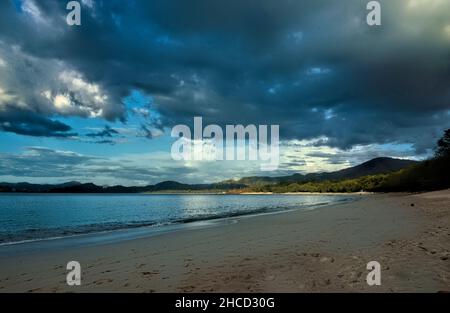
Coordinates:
[322,250]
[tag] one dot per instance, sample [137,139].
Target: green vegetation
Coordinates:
[433,174]
[366,183]
[429,175]
[443,146]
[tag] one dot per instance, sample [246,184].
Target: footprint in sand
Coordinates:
[150,273]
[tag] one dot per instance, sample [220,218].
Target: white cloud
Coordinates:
[85,98]
[318,71]
[31,9]
[297,156]
[312,156]
[62,102]
[52,86]
[5,97]
[8,98]
[88,3]
[425,5]
[446,31]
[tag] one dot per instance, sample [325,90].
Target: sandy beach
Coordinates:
[322,250]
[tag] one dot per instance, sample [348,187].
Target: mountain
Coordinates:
[372,167]
[76,187]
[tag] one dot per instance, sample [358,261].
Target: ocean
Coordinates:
[32,217]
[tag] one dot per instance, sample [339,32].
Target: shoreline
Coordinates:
[361,193]
[148,228]
[325,249]
[224,193]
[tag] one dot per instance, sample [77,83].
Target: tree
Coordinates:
[443,145]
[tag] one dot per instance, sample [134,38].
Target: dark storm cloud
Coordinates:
[147,132]
[107,135]
[32,124]
[313,67]
[107,131]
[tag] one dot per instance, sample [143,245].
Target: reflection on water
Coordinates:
[37,216]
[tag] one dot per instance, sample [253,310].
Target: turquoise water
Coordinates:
[28,217]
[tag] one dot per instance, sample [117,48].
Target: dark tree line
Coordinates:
[443,145]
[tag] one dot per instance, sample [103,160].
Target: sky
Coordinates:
[97,102]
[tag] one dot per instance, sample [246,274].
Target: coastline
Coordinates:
[142,223]
[251,193]
[361,193]
[218,193]
[325,249]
